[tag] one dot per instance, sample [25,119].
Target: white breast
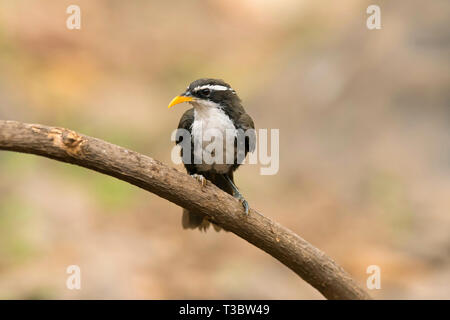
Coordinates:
[208,117]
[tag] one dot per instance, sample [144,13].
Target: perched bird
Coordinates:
[215,106]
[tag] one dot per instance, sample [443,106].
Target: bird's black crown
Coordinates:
[214,90]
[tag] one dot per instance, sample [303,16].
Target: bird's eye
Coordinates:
[205,92]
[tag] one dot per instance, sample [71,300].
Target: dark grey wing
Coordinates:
[185,123]
[246,139]
[184,131]
[245,123]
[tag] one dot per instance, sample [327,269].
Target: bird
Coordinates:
[217,107]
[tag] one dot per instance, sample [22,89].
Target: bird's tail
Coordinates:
[193,220]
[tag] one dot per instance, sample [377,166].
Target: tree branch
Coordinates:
[68,146]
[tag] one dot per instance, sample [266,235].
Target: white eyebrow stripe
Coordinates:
[216,87]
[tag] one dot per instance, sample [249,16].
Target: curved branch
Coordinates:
[68,146]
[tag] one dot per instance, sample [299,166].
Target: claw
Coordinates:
[244,203]
[238,195]
[246,206]
[200,179]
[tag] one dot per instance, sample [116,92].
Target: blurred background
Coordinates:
[364,123]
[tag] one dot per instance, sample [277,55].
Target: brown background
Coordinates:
[364,144]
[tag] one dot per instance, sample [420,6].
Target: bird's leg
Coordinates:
[200,178]
[237,194]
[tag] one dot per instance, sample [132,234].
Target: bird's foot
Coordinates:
[246,206]
[237,194]
[244,202]
[201,179]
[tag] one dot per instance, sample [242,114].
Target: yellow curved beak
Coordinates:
[179,99]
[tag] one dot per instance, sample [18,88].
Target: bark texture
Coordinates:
[65,145]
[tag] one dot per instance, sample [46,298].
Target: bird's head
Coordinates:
[208,93]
